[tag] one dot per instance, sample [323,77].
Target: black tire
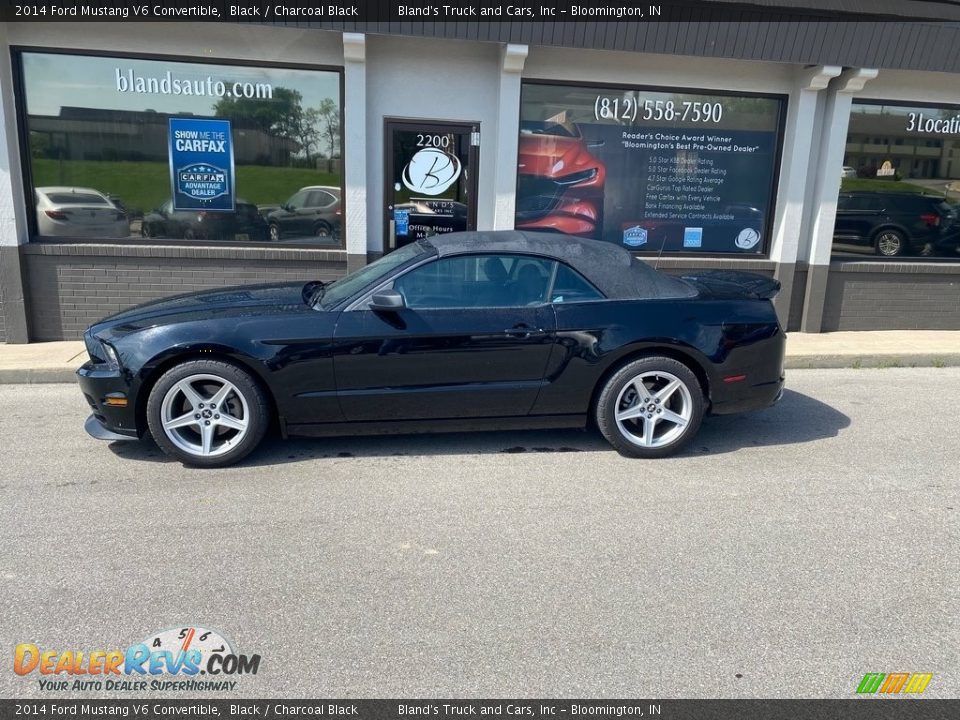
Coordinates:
[322,230]
[890,243]
[248,397]
[686,399]
[273,233]
[145,230]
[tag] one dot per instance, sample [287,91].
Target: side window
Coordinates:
[474,281]
[319,199]
[297,201]
[570,286]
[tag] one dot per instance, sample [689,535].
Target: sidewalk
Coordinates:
[53,362]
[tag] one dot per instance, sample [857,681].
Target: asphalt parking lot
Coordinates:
[784,554]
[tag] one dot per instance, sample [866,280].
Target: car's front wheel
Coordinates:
[650,408]
[207,413]
[274,232]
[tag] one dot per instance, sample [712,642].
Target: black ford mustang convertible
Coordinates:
[478,330]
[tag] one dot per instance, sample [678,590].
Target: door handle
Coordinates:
[524,332]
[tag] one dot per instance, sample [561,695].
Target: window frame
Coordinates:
[847,257]
[26,166]
[363,301]
[770,216]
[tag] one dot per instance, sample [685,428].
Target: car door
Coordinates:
[857,216]
[293,217]
[321,212]
[473,341]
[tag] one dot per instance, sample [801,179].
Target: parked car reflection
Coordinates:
[313,212]
[244,223]
[894,224]
[78,212]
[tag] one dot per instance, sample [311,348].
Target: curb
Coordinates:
[67,374]
[881,361]
[38,376]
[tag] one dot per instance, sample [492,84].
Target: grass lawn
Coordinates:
[146,185]
[870,184]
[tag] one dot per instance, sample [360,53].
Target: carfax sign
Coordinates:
[201,164]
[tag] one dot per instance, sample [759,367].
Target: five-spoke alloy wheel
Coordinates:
[651,407]
[208,413]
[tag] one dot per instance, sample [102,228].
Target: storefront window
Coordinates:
[669,171]
[163,150]
[900,182]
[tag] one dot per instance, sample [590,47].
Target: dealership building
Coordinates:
[142,160]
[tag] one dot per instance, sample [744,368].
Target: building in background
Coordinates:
[815,146]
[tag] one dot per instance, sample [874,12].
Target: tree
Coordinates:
[328,114]
[270,115]
[284,116]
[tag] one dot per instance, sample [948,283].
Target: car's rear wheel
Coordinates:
[274,232]
[890,243]
[146,230]
[650,408]
[207,413]
[322,231]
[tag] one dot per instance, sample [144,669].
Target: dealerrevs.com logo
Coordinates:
[894,683]
[184,654]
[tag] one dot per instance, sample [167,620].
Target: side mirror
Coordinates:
[387,301]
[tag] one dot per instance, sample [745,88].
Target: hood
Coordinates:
[275,298]
[552,155]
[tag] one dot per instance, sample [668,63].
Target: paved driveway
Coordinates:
[785,554]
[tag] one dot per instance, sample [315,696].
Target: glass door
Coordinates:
[431,179]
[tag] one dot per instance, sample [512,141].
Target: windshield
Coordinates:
[354,282]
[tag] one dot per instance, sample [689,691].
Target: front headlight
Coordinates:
[101,353]
[577,177]
[112,360]
[94,349]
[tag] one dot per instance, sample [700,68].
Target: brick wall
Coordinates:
[68,287]
[892,296]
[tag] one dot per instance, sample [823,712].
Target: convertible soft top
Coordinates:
[612,269]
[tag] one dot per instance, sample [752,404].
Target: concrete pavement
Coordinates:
[52,362]
[785,553]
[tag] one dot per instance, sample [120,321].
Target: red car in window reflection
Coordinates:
[559,182]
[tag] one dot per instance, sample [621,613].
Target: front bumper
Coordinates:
[97,382]
[97,430]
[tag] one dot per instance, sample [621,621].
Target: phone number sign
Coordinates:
[201,164]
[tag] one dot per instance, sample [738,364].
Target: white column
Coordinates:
[13,220]
[826,188]
[355,148]
[795,167]
[513,58]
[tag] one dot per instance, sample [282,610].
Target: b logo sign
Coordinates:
[431,171]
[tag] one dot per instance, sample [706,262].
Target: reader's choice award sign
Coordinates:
[201,164]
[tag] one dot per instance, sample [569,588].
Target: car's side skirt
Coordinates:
[401,427]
